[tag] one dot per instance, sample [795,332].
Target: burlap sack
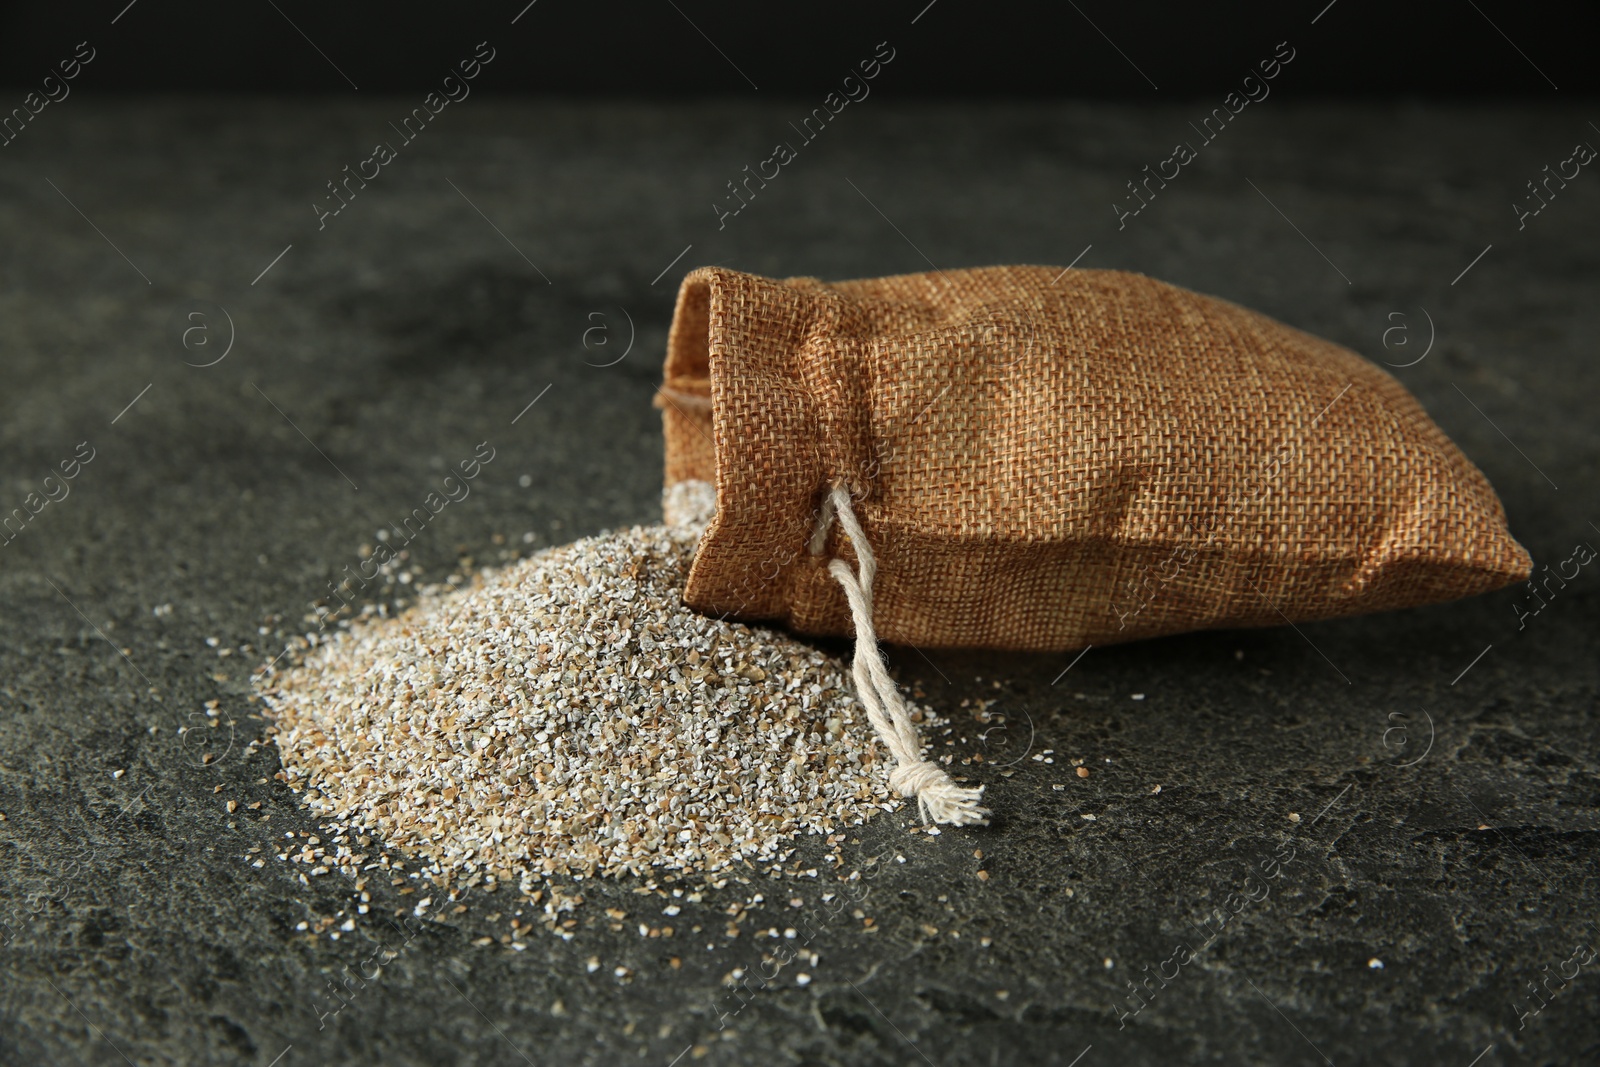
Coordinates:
[1045,460]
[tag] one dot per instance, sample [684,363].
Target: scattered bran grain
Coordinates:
[569,715]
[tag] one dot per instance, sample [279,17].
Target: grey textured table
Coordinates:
[1432,773]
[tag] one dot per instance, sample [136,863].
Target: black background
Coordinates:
[1433,49]
[1436,770]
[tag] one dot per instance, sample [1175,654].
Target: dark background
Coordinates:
[1366,48]
[1435,771]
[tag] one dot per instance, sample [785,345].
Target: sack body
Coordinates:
[1043,460]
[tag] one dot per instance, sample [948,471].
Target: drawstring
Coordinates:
[938,796]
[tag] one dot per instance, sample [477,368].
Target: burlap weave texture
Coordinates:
[1044,460]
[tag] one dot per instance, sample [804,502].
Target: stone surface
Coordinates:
[1433,773]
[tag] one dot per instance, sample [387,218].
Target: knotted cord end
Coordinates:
[939,797]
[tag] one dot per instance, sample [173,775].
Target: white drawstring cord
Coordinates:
[940,799]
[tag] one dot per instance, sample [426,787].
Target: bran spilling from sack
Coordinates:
[569,715]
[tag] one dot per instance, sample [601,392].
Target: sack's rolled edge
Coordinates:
[756,542]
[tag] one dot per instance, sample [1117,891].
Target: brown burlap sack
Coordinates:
[1045,460]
